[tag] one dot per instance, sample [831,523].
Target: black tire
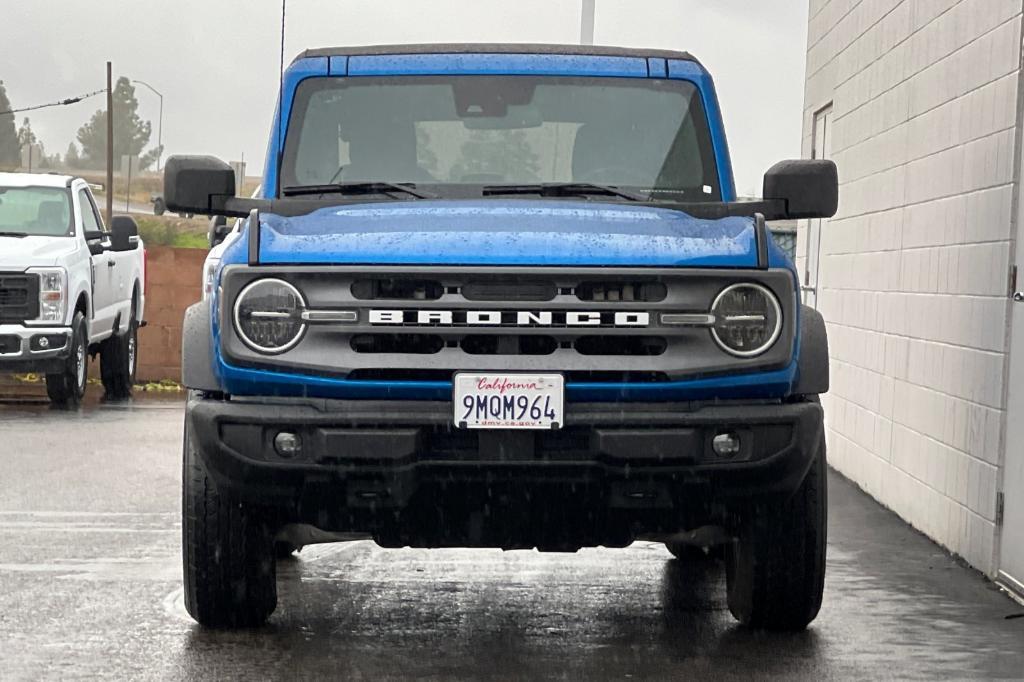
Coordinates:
[228,552]
[67,388]
[685,552]
[775,570]
[159,207]
[119,358]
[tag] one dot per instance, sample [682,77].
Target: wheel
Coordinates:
[67,387]
[159,207]
[685,552]
[775,570]
[228,552]
[118,361]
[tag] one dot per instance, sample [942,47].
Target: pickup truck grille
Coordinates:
[19,297]
[424,324]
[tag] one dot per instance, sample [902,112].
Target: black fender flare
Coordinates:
[812,377]
[197,349]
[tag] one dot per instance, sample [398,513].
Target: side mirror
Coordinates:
[192,182]
[809,187]
[219,230]
[124,233]
[94,240]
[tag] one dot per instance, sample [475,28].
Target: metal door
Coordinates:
[821,149]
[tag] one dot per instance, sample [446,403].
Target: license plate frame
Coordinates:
[544,390]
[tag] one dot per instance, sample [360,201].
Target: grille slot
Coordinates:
[628,292]
[509,290]
[418,344]
[509,345]
[19,297]
[397,289]
[620,345]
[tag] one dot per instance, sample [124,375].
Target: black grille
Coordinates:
[19,297]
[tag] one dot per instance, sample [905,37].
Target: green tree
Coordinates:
[10,154]
[25,134]
[496,156]
[131,134]
[71,157]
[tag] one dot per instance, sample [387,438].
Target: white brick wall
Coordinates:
[914,268]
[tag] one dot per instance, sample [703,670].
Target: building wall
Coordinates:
[174,281]
[914,268]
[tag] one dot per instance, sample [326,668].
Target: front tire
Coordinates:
[118,361]
[228,552]
[775,570]
[66,388]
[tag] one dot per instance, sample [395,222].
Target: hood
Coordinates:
[513,232]
[25,252]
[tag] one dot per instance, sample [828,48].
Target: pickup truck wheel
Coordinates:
[66,388]
[118,360]
[228,552]
[775,570]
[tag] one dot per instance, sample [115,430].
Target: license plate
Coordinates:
[509,401]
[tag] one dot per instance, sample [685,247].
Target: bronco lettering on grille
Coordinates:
[509,318]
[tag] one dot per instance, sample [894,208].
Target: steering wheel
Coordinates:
[615,175]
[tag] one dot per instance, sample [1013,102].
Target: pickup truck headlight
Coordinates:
[268,315]
[748,319]
[53,294]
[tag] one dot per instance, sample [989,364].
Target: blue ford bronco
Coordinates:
[503,296]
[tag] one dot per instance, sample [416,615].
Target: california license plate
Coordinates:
[509,400]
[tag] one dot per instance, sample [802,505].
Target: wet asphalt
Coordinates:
[90,587]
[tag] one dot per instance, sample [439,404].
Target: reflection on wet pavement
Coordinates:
[90,585]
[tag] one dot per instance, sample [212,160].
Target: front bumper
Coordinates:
[650,465]
[21,348]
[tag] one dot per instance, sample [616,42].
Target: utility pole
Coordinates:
[160,122]
[110,147]
[587,23]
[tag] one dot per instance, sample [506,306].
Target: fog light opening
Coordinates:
[726,444]
[288,444]
[44,342]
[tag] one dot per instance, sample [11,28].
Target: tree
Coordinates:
[150,157]
[25,134]
[131,134]
[71,158]
[10,151]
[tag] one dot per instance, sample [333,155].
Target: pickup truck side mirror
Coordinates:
[94,240]
[219,230]
[124,233]
[809,187]
[191,182]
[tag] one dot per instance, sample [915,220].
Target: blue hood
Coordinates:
[503,232]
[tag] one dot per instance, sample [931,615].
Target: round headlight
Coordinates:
[268,315]
[748,319]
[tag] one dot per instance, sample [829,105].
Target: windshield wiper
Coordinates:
[373,187]
[562,189]
[19,235]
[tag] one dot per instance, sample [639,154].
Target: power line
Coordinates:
[63,102]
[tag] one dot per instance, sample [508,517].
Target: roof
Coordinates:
[495,48]
[35,180]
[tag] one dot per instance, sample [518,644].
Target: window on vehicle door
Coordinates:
[35,211]
[648,135]
[90,217]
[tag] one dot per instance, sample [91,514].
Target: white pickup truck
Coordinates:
[71,288]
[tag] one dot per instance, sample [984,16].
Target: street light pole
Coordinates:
[160,122]
[587,23]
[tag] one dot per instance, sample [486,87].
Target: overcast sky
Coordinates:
[216,61]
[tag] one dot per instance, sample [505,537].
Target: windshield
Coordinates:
[36,211]
[642,134]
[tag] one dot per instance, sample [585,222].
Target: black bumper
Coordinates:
[378,454]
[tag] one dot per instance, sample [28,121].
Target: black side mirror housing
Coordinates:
[809,187]
[219,230]
[191,184]
[124,233]
[94,240]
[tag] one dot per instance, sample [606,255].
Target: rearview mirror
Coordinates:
[809,187]
[191,183]
[124,233]
[219,230]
